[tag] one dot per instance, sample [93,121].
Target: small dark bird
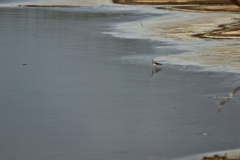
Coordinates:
[155,63]
[142,25]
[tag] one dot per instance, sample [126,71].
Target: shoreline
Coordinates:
[222,31]
[232,154]
[229,31]
[219,24]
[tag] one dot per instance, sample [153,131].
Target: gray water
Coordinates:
[67,92]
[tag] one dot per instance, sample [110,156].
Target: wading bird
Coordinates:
[155,63]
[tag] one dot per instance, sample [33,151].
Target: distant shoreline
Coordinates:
[223,24]
[47,5]
[224,31]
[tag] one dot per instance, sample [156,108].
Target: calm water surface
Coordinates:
[68,93]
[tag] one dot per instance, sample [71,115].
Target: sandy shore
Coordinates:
[216,22]
[169,2]
[223,31]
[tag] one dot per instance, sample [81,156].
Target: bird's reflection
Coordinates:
[155,70]
[227,99]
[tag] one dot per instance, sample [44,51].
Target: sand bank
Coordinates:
[222,155]
[224,31]
[170,2]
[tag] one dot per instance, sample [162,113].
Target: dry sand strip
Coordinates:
[224,31]
[205,8]
[171,2]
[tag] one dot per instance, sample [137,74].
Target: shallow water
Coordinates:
[84,94]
